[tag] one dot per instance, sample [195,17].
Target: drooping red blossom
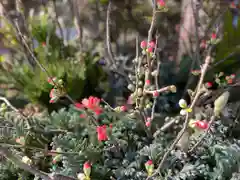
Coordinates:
[161,3]
[201,124]
[143,45]
[102,133]
[87,165]
[92,103]
[214,35]
[44,44]
[147,82]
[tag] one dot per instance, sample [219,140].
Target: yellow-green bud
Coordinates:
[220,103]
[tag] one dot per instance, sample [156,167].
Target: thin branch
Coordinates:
[108,41]
[16,110]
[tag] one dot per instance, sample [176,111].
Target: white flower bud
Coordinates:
[182,103]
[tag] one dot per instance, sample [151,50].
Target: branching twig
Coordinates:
[5,152]
[180,134]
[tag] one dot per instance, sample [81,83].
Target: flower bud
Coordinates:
[182,103]
[21,140]
[27,160]
[149,167]
[87,169]
[173,89]
[143,45]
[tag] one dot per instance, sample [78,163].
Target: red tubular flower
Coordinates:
[201,124]
[102,133]
[143,44]
[92,103]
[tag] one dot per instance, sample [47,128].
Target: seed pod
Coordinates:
[220,103]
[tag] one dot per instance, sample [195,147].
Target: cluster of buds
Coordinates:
[198,124]
[230,78]
[222,80]
[214,40]
[21,140]
[57,91]
[185,109]
[27,160]
[149,167]
[148,47]
[120,108]
[196,72]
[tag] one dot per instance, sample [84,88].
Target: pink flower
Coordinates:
[203,44]
[143,44]
[149,162]
[78,105]
[150,49]
[82,116]
[155,93]
[148,82]
[161,3]
[209,84]
[148,123]
[51,80]
[102,133]
[214,35]
[87,169]
[152,44]
[201,124]
[86,165]
[123,108]
[92,103]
